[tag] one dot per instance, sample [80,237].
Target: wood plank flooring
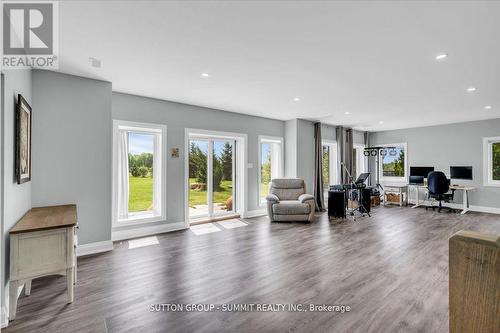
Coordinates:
[391,269]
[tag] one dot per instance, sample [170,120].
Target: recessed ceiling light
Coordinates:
[381,122]
[94,62]
[441,56]
[488,107]
[296,99]
[205,74]
[471,89]
[347,112]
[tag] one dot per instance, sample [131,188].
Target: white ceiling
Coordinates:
[375,60]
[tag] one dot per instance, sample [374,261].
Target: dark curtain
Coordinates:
[349,151]
[368,164]
[345,152]
[339,133]
[318,169]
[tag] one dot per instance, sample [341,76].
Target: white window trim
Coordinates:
[381,162]
[275,139]
[333,162]
[147,217]
[360,159]
[488,163]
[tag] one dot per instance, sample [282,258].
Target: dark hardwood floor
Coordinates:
[391,269]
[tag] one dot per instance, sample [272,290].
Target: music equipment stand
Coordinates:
[355,186]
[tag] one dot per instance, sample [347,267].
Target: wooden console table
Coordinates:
[401,190]
[42,243]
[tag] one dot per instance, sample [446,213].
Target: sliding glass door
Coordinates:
[211,177]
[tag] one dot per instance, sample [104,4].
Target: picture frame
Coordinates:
[23,140]
[174,153]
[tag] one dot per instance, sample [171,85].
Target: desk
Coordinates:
[42,243]
[417,188]
[465,195]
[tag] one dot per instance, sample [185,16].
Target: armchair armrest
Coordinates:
[305,197]
[272,198]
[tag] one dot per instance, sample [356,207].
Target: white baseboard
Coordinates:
[492,210]
[472,208]
[4,321]
[254,213]
[480,209]
[92,248]
[118,235]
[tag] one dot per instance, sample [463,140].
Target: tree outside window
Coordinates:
[326,167]
[140,166]
[393,164]
[495,161]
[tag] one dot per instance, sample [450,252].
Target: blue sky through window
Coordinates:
[203,145]
[265,151]
[139,143]
[218,147]
[388,158]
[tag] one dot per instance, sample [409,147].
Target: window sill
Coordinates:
[492,184]
[139,219]
[396,180]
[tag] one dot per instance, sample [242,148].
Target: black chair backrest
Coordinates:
[437,183]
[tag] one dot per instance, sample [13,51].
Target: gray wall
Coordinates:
[177,117]
[328,132]
[299,151]
[72,149]
[16,198]
[291,148]
[445,145]
[305,153]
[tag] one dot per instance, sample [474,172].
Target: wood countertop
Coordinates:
[44,218]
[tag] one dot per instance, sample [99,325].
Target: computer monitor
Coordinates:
[461,172]
[416,180]
[420,171]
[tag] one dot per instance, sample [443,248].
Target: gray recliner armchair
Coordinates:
[288,201]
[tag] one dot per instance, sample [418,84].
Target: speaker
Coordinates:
[337,203]
[366,199]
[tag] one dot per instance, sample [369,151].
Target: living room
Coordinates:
[218,166]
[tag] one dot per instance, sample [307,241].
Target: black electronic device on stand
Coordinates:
[355,193]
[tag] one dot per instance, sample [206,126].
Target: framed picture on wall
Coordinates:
[23,140]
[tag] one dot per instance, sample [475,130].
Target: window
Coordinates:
[138,173]
[394,162]
[491,151]
[329,164]
[270,163]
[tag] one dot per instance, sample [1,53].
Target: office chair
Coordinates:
[439,187]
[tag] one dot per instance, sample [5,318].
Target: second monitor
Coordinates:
[461,172]
[420,171]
